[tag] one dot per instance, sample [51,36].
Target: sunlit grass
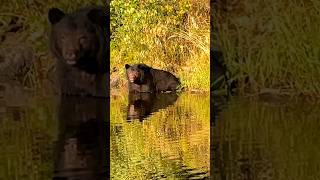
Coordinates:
[180,46]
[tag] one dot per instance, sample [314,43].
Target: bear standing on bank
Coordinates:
[79,41]
[142,78]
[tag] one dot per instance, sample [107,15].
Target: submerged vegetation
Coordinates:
[170,35]
[276,44]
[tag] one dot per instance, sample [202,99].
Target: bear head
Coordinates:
[137,72]
[78,37]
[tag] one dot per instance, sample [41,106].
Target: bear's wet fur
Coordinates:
[142,78]
[79,41]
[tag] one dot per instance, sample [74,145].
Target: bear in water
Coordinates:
[79,41]
[142,78]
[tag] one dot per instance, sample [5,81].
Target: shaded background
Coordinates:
[269,44]
[33,122]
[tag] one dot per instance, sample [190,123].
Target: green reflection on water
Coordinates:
[28,128]
[277,140]
[172,143]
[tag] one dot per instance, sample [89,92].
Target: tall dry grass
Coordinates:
[274,43]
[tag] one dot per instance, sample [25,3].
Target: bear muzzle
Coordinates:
[70,57]
[131,80]
[132,77]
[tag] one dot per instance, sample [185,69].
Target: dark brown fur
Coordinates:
[142,78]
[79,42]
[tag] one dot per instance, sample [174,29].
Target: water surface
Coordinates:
[157,137]
[161,136]
[45,137]
[265,138]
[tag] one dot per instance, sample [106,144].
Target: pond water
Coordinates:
[163,136]
[47,137]
[265,138]
[166,136]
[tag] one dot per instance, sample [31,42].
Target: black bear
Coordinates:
[79,41]
[142,78]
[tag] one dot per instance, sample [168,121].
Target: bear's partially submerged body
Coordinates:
[142,78]
[79,42]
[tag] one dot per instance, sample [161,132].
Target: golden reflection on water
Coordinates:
[271,140]
[170,143]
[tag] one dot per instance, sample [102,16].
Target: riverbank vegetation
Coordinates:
[274,44]
[170,35]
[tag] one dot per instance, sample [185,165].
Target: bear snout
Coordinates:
[70,56]
[133,76]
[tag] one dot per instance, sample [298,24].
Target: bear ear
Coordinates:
[99,16]
[55,15]
[127,66]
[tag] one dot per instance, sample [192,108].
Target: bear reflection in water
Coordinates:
[142,105]
[81,149]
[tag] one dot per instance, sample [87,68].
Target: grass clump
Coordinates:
[274,43]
